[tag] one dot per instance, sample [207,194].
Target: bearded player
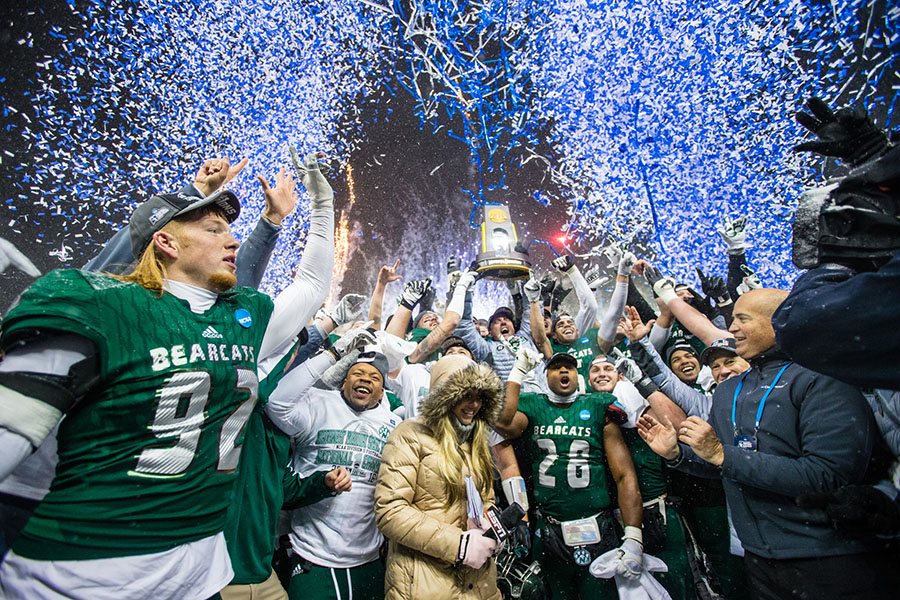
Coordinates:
[156,373]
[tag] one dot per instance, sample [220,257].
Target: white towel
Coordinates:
[644,588]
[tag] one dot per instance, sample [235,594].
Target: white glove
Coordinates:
[665,289]
[532,289]
[626,263]
[614,253]
[564,263]
[320,193]
[594,279]
[334,376]
[466,280]
[734,234]
[348,309]
[355,338]
[458,299]
[631,554]
[413,292]
[526,360]
[751,282]
[475,549]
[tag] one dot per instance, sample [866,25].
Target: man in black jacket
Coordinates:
[777,432]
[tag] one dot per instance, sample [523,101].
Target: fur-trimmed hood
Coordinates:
[445,395]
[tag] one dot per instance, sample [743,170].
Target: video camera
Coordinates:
[854,221]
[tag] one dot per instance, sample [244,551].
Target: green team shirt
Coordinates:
[584,349]
[568,462]
[148,457]
[265,484]
[647,464]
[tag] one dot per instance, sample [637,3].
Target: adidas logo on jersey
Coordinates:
[559,420]
[210,332]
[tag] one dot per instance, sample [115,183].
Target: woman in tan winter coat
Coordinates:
[436,552]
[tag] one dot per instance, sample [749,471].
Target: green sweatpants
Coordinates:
[365,582]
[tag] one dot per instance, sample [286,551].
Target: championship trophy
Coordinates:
[501,256]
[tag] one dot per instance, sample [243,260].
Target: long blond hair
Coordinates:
[452,465]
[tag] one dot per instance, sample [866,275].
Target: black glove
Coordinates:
[858,511]
[548,282]
[714,287]
[564,263]
[643,359]
[848,134]
[652,274]
[559,294]
[413,292]
[520,537]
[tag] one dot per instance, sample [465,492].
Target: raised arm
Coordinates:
[607,333]
[536,317]
[587,301]
[385,276]
[301,299]
[692,319]
[511,422]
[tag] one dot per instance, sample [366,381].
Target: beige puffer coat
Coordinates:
[411,496]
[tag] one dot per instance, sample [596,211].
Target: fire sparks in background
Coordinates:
[343,249]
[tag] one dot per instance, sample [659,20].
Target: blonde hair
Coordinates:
[150,270]
[450,459]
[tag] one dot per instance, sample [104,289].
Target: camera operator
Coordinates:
[841,317]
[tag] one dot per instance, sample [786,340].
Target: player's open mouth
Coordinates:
[687,370]
[362,391]
[505,331]
[230,261]
[565,380]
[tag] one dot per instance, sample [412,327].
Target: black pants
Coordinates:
[853,576]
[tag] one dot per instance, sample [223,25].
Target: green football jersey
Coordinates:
[148,457]
[584,349]
[647,464]
[568,462]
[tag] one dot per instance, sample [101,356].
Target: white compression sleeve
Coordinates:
[297,304]
[616,306]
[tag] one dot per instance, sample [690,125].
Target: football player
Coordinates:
[571,439]
[156,373]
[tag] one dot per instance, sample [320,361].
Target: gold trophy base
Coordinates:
[502,267]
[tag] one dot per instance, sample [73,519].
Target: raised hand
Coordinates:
[320,193]
[734,233]
[848,134]
[348,309]
[714,287]
[388,274]
[216,172]
[413,292]
[702,438]
[532,290]
[634,326]
[355,338]
[564,263]
[283,195]
[660,436]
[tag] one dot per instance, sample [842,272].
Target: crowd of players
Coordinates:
[167,431]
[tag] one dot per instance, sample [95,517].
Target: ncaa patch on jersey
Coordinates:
[585,415]
[242,316]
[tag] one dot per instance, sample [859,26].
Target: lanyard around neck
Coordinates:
[762,403]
